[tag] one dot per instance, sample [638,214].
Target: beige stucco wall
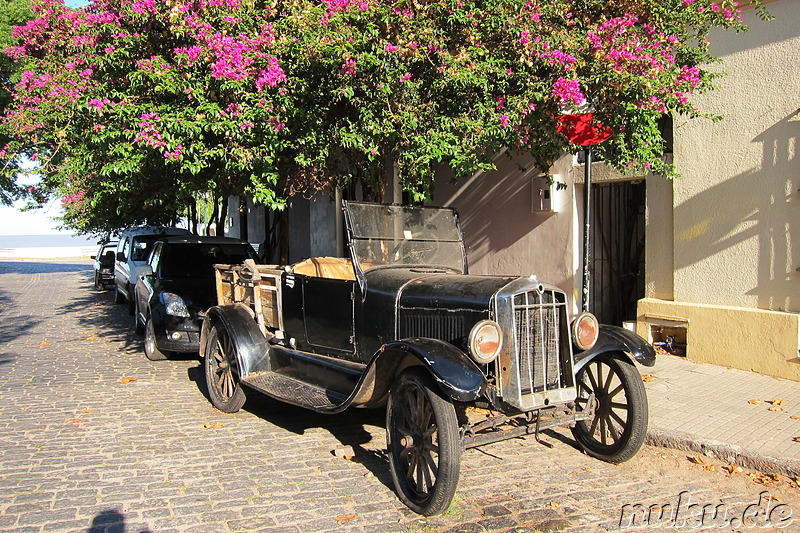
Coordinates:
[733,222]
[737,207]
[502,233]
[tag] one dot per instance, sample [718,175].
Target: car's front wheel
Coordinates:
[98,281]
[618,428]
[222,371]
[151,350]
[423,441]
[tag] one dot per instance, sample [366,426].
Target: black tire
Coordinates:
[138,327]
[423,443]
[222,371]
[119,298]
[151,350]
[98,281]
[618,428]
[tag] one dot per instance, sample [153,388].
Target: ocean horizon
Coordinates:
[47,241]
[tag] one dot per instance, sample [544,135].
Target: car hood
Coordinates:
[429,289]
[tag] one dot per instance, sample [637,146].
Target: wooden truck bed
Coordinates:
[256,286]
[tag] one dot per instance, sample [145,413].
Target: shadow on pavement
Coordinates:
[36,267]
[98,313]
[349,427]
[109,521]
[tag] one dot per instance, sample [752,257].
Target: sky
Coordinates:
[39,221]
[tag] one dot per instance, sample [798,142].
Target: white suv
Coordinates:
[132,253]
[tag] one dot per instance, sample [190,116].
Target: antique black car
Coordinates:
[459,360]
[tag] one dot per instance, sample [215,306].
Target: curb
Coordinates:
[722,451]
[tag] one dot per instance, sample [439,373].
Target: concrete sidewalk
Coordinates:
[725,413]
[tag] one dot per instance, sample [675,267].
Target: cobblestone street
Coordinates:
[94,437]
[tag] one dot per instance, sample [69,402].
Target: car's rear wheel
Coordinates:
[618,428]
[222,371]
[423,442]
[98,281]
[151,350]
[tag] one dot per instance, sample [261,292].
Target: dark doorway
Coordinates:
[618,240]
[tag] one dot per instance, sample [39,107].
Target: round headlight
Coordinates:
[585,330]
[485,341]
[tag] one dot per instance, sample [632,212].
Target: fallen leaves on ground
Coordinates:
[776,401]
[776,408]
[84,333]
[91,338]
[341,519]
[75,421]
[647,378]
[766,479]
[87,411]
[755,402]
[796,439]
[699,460]
[216,425]
[795,417]
[733,469]
[127,380]
[45,344]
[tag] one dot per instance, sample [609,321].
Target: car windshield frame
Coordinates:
[401,236]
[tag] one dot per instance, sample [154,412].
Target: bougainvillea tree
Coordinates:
[135,107]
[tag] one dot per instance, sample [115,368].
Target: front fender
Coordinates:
[616,339]
[252,348]
[456,374]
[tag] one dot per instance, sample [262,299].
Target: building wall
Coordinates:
[736,208]
[502,234]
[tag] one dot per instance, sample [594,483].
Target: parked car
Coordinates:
[176,287]
[458,360]
[132,253]
[104,265]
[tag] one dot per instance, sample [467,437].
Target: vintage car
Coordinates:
[458,360]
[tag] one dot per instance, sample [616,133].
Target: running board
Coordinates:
[295,392]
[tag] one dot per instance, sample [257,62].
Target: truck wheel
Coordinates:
[222,371]
[424,446]
[98,281]
[619,425]
[151,351]
[119,298]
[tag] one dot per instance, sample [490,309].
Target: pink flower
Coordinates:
[349,67]
[390,48]
[504,120]
[405,78]
[568,93]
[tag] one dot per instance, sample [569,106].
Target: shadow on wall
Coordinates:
[501,233]
[726,216]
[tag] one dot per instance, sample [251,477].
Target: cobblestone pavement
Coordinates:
[94,437]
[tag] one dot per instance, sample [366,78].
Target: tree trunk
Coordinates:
[243,218]
[223,215]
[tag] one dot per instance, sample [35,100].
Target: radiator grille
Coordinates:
[447,326]
[537,325]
